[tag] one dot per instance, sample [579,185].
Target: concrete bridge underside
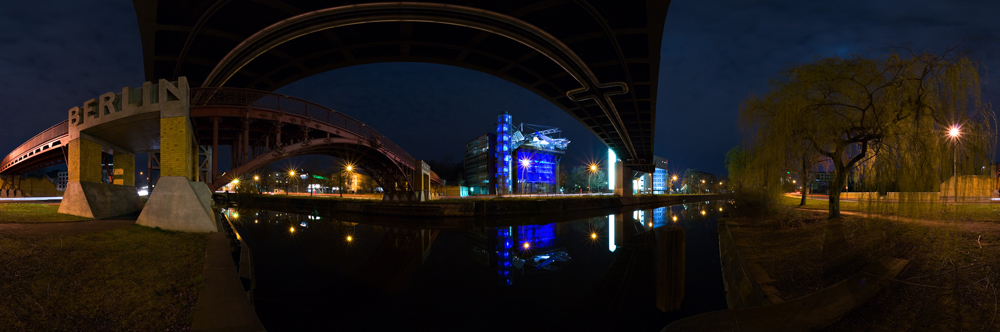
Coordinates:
[598,60]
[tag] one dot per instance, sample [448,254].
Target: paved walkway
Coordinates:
[66,228]
[808,313]
[964,225]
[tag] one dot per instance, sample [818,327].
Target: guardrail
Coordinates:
[56,131]
[282,103]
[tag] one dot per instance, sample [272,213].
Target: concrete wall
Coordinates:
[969,186]
[742,291]
[36,187]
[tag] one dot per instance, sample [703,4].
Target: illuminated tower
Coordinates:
[503,159]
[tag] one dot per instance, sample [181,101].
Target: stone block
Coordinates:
[179,204]
[99,200]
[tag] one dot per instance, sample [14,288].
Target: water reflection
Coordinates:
[630,263]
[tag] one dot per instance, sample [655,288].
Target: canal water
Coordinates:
[316,271]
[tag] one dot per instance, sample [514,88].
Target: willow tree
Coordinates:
[873,117]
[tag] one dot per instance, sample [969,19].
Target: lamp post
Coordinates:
[291,177]
[590,179]
[348,170]
[954,133]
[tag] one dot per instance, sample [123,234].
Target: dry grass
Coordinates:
[33,212]
[127,279]
[949,284]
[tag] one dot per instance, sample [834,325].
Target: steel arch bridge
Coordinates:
[261,127]
[264,127]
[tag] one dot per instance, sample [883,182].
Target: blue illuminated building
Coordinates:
[513,159]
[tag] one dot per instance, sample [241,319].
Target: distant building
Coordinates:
[61,180]
[514,159]
[661,178]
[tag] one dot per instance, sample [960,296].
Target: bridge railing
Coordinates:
[60,129]
[278,102]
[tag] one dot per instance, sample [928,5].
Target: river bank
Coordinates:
[488,207]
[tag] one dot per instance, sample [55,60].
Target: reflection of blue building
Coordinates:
[502,250]
[536,237]
[514,159]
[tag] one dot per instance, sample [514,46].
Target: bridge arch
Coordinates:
[596,59]
[265,127]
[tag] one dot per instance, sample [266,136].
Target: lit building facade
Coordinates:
[513,159]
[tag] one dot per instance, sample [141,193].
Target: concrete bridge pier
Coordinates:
[421,181]
[86,193]
[623,180]
[179,201]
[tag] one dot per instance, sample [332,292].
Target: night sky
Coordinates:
[56,54]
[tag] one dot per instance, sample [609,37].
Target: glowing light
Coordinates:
[720,209]
[143,192]
[236,181]
[291,173]
[674,218]
[527,245]
[650,225]
[255,221]
[256,178]
[954,131]
[702,212]
[702,181]
[793,182]
[593,236]
[350,168]
[593,167]
[291,229]
[236,215]
[612,158]
[350,238]
[675,178]
[525,163]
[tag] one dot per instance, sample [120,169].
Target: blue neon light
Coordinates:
[536,167]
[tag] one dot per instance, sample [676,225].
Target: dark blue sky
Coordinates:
[56,54]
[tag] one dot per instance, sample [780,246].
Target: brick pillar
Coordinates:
[84,161]
[177,155]
[124,172]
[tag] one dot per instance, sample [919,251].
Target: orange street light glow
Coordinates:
[593,236]
[350,238]
[291,229]
[675,218]
[954,132]
[527,245]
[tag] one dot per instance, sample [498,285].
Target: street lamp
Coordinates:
[954,133]
[590,179]
[291,177]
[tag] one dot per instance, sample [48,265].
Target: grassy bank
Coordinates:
[33,212]
[949,284]
[127,279]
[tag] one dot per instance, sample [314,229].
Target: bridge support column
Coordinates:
[179,201]
[421,180]
[124,170]
[623,180]
[86,195]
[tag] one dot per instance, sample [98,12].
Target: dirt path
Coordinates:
[64,228]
